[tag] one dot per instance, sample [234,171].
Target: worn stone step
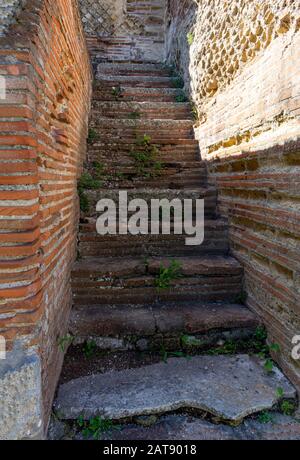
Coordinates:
[134,280]
[92,244]
[126,164]
[137,94]
[174,326]
[108,154]
[208,194]
[97,268]
[170,150]
[168,144]
[127,68]
[229,387]
[138,81]
[126,177]
[164,126]
[141,110]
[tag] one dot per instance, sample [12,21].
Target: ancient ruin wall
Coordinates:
[125,29]
[9,13]
[240,62]
[106,18]
[43,125]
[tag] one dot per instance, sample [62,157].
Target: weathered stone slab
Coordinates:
[20,395]
[230,387]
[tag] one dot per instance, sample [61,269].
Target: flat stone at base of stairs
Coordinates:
[229,387]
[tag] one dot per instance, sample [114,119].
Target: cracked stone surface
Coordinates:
[229,387]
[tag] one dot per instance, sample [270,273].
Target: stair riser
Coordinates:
[161,95]
[178,144]
[149,115]
[166,180]
[129,136]
[134,296]
[91,244]
[138,82]
[112,160]
[113,335]
[90,250]
[158,73]
[141,290]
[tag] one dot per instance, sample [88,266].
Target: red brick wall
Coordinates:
[43,130]
[249,134]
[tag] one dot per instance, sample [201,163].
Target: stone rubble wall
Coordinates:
[240,61]
[9,12]
[43,131]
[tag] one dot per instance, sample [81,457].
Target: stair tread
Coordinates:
[159,318]
[128,265]
[229,387]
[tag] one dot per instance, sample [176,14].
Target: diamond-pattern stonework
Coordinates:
[9,10]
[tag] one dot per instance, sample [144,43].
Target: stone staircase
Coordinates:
[139,107]
[118,273]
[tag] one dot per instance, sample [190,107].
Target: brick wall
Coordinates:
[43,130]
[241,69]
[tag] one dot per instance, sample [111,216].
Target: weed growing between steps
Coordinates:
[95,427]
[89,358]
[145,155]
[190,38]
[117,92]
[92,136]
[168,274]
[86,182]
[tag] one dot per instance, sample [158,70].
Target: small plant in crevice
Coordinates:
[167,274]
[98,169]
[181,98]
[288,407]
[269,365]
[265,417]
[229,348]
[195,112]
[89,348]
[95,427]
[116,92]
[279,392]
[86,182]
[92,136]
[188,341]
[241,298]
[178,82]
[134,115]
[190,38]
[145,157]
[65,341]
[83,200]
[172,354]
